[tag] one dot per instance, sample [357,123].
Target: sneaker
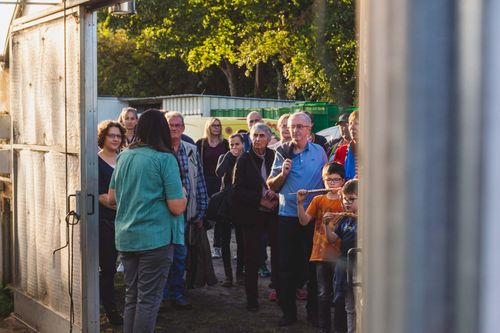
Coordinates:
[227,283]
[253,307]
[120,268]
[285,321]
[264,272]
[301,294]
[114,318]
[273,296]
[181,303]
[217,253]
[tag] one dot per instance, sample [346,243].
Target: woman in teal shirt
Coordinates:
[146,186]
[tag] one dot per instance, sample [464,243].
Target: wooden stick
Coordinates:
[319,190]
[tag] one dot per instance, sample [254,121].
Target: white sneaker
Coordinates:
[120,268]
[217,253]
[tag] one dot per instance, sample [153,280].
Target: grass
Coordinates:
[6,303]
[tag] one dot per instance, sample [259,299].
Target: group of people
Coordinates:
[297,194]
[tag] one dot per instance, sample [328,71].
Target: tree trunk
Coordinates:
[228,71]
[280,87]
[256,87]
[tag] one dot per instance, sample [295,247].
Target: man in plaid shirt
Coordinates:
[192,170]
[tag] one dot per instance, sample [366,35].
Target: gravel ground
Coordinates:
[219,309]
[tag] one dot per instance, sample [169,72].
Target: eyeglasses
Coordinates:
[175,125]
[332,180]
[215,125]
[113,136]
[299,126]
[349,200]
[251,121]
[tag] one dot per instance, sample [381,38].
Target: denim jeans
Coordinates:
[176,285]
[350,308]
[145,276]
[324,277]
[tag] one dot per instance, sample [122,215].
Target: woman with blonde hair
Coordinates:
[128,118]
[210,147]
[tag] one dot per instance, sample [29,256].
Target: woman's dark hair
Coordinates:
[153,131]
[237,135]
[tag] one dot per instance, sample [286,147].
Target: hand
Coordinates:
[301,196]
[271,195]
[287,166]
[329,217]
[198,223]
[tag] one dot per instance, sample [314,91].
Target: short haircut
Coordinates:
[125,110]
[283,119]
[236,135]
[261,127]
[303,116]
[253,112]
[354,116]
[309,114]
[208,124]
[331,168]
[103,130]
[350,187]
[171,114]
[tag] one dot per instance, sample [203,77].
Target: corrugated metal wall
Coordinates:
[38,112]
[202,104]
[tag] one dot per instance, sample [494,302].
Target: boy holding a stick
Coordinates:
[324,254]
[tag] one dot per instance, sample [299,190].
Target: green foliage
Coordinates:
[307,46]
[6,303]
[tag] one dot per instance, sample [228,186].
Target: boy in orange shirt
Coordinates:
[324,254]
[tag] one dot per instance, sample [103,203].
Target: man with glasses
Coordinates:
[194,184]
[297,165]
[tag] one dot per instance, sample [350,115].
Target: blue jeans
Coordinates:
[176,285]
[145,277]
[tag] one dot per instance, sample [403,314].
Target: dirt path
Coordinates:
[215,309]
[219,309]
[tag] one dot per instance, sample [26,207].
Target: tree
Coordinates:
[304,48]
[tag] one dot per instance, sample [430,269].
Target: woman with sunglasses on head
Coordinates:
[210,147]
[128,119]
[110,139]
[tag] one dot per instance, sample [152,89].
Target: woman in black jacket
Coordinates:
[224,171]
[254,206]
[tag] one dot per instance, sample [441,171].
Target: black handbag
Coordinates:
[219,208]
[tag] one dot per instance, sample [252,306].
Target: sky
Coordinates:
[5,16]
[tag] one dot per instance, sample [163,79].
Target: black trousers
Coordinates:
[213,185]
[107,263]
[294,248]
[225,229]
[252,234]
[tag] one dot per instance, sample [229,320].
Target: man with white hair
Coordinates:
[297,165]
[252,118]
